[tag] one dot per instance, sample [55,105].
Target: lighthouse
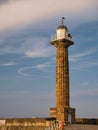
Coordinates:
[62,40]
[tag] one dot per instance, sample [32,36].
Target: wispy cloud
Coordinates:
[15,94]
[79,56]
[39,49]
[10,63]
[30,47]
[84,83]
[3,1]
[85,92]
[42,67]
[22,12]
[21,70]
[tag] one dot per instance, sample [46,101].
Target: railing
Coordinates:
[54,37]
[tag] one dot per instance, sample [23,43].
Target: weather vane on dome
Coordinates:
[62,20]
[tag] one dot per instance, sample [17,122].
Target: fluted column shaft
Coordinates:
[62,77]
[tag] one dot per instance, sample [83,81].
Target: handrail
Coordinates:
[54,37]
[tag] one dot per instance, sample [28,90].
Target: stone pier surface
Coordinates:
[81,127]
[43,124]
[67,127]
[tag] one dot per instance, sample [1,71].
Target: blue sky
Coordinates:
[27,59]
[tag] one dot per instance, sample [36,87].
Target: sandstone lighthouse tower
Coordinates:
[62,40]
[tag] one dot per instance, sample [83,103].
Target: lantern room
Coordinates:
[62,32]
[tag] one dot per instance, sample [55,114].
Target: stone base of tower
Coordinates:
[64,114]
[69,115]
[53,112]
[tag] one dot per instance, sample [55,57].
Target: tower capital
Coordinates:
[62,43]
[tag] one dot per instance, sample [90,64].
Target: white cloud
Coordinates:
[3,1]
[30,47]
[21,70]
[84,83]
[39,52]
[22,12]
[41,67]
[38,47]
[10,63]
[78,56]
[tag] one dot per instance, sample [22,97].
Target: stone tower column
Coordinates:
[62,76]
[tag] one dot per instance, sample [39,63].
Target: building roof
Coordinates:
[62,27]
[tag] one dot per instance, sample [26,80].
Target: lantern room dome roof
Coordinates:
[62,27]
